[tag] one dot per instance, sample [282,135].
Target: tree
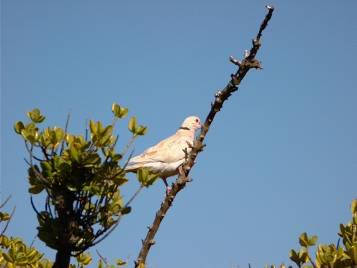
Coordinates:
[80,178]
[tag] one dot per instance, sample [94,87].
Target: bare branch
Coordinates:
[221,96]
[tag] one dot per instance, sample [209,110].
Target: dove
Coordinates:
[165,158]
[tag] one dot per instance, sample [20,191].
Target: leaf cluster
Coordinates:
[330,255]
[14,252]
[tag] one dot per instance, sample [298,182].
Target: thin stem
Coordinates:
[130,143]
[134,196]
[6,200]
[101,257]
[65,132]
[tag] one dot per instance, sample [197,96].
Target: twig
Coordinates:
[101,257]
[221,96]
[33,241]
[134,196]
[6,200]
[65,133]
[129,144]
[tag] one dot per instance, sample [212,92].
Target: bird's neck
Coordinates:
[184,128]
[186,131]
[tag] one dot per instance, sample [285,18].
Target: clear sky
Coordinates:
[280,157]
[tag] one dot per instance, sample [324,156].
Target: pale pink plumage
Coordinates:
[165,157]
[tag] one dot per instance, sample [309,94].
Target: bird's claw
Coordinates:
[168,190]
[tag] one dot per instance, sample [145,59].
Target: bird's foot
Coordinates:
[168,190]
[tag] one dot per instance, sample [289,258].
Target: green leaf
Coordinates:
[116,157]
[132,126]
[123,112]
[105,136]
[84,259]
[354,207]
[151,179]
[7,257]
[304,240]
[93,127]
[118,111]
[142,175]
[4,216]
[119,180]
[30,133]
[46,169]
[99,127]
[352,253]
[120,262]
[312,240]
[18,127]
[126,210]
[36,188]
[145,177]
[141,130]
[36,116]
[294,257]
[74,153]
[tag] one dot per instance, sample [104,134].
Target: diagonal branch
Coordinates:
[221,96]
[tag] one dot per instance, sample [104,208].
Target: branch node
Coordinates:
[256,42]
[218,94]
[234,61]
[246,53]
[269,7]
[235,80]
[189,144]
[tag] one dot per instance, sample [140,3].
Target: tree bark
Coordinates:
[65,216]
[63,258]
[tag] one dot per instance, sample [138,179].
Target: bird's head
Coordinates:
[191,123]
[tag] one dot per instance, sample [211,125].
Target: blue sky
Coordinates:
[280,157]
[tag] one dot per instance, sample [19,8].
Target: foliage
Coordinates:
[81,177]
[330,255]
[14,252]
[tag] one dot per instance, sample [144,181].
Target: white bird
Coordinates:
[168,155]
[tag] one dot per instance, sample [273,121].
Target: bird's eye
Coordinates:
[196,120]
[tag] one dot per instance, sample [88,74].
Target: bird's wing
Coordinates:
[167,151]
